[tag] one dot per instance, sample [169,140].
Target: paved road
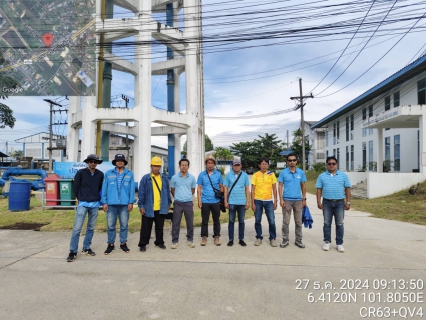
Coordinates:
[213,282]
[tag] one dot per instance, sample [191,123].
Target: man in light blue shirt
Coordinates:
[210,185]
[183,189]
[237,199]
[332,186]
[292,188]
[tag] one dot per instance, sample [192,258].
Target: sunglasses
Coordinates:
[292,160]
[236,165]
[331,163]
[92,161]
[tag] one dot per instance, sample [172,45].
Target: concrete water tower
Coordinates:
[184,56]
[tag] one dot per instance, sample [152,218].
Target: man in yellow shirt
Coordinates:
[264,196]
[154,204]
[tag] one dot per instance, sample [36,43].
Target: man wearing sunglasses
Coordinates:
[87,188]
[292,188]
[333,185]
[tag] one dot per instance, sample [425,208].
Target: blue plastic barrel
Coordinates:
[19,196]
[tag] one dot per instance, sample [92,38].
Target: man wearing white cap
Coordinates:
[154,204]
[237,200]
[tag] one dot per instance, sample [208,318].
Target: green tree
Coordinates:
[223,154]
[6,114]
[296,146]
[208,145]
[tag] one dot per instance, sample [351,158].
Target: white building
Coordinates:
[379,136]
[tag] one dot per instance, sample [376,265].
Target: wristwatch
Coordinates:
[304,199]
[348,203]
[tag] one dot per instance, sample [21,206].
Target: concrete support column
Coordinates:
[142,144]
[380,150]
[88,134]
[193,92]
[422,128]
[72,131]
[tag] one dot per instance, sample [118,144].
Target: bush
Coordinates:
[319,167]
[221,169]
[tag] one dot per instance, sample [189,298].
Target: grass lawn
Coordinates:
[63,219]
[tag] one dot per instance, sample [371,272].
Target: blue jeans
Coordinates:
[269,212]
[80,215]
[123,215]
[335,209]
[233,209]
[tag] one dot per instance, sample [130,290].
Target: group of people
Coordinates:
[116,190]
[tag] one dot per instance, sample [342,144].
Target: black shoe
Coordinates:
[109,249]
[242,243]
[230,243]
[299,244]
[123,247]
[88,252]
[143,248]
[71,256]
[161,246]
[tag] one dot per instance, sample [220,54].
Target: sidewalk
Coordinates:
[210,282]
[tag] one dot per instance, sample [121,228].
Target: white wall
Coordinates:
[357,177]
[382,184]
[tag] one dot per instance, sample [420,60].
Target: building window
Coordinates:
[370,131]
[338,158]
[352,157]
[387,103]
[396,153]
[347,158]
[364,132]
[326,138]
[321,140]
[326,154]
[352,126]
[334,133]
[364,155]
[370,111]
[334,152]
[421,91]
[386,165]
[370,156]
[338,131]
[396,99]
[364,113]
[347,128]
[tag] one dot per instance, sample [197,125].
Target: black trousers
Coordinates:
[205,215]
[146,227]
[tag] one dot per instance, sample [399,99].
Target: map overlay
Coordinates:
[47,47]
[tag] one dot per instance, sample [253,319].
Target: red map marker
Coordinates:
[47,39]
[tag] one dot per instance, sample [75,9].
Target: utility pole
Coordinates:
[302,122]
[126,100]
[52,103]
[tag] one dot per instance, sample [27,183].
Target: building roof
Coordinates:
[394,80]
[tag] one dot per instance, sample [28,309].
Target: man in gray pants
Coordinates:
[183,188]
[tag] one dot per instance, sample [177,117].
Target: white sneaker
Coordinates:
[340,248]
[190,244]
[174,245]
[258,242]
[326,246]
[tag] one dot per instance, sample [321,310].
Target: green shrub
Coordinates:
[319,167]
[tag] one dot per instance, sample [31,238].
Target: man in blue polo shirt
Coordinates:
[237,199]
[292,188]
[183,188]
[332,186]
[210,183]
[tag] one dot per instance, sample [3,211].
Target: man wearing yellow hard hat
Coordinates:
[154,204]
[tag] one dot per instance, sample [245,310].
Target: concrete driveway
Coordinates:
[384,262]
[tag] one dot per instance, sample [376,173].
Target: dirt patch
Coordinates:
[25,226]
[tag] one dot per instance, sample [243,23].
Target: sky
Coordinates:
[254,54]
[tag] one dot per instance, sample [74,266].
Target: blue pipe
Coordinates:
[170,96]
[20,172]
